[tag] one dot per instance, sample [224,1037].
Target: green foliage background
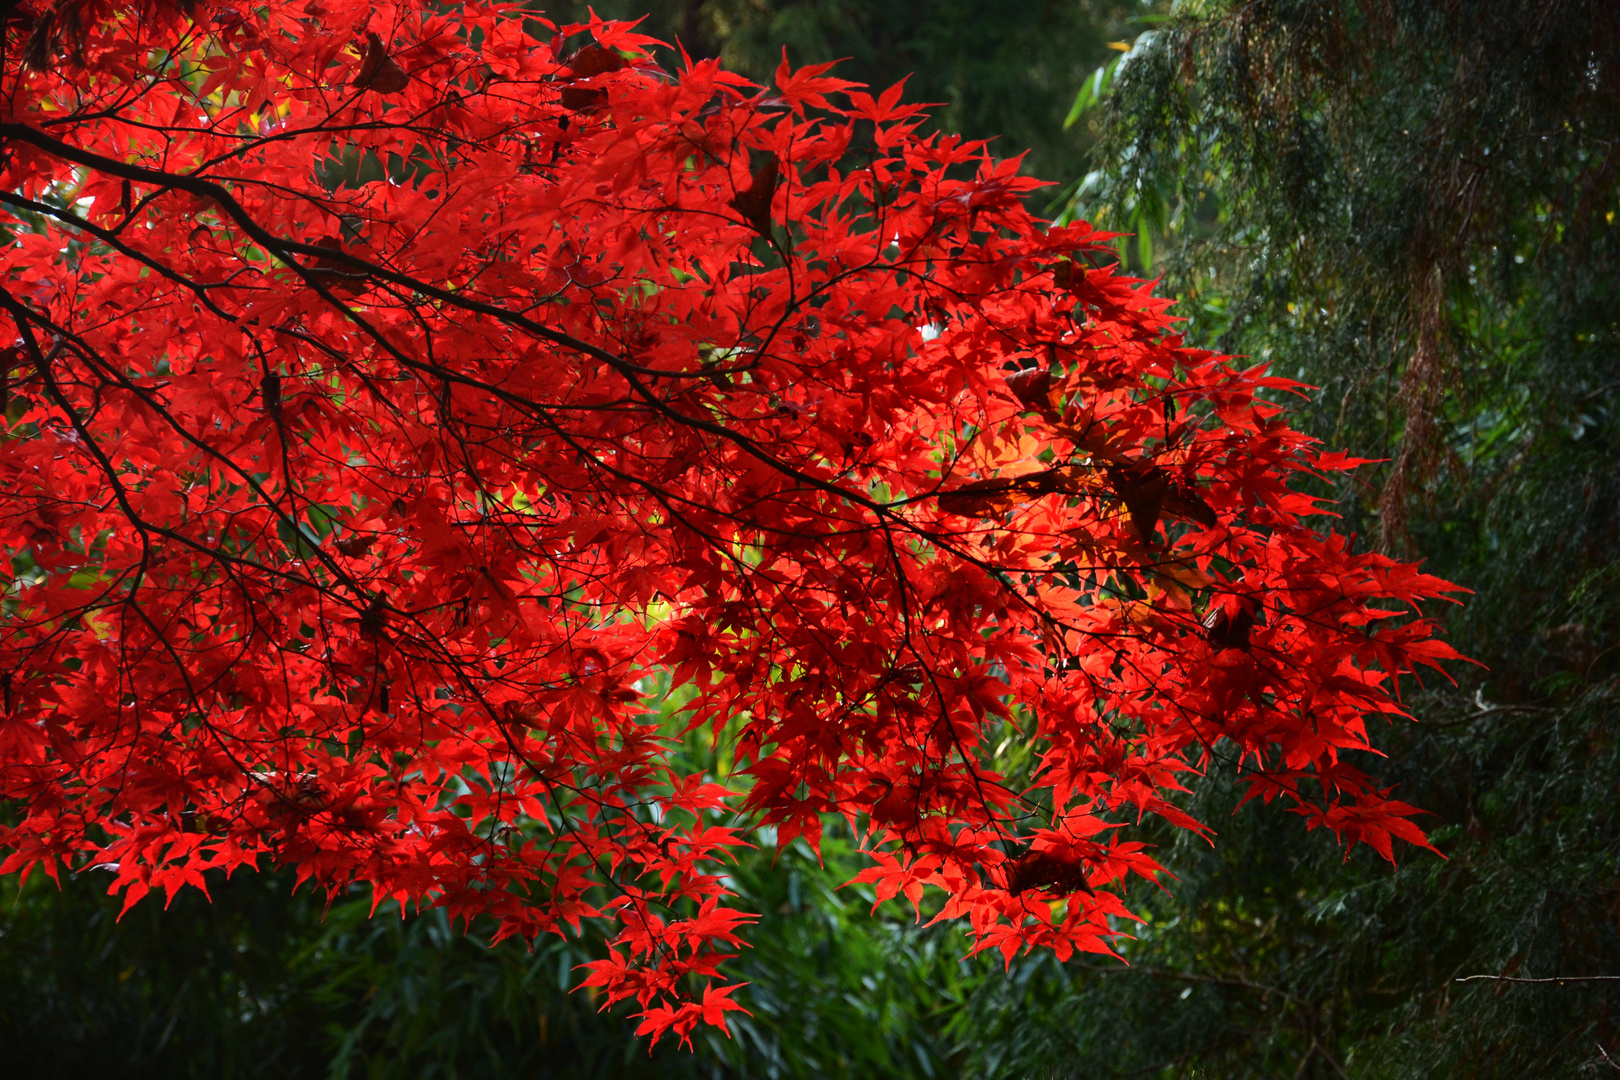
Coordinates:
[1407,204]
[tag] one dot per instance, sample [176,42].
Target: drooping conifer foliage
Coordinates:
[393,392]
[1412,206]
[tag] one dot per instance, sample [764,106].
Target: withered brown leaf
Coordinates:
[1044,870]
[595,60]
[754,201]
[1148,492]
[1032,386]
[355,545]
[378,71]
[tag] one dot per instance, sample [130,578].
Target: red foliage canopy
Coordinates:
[394,391]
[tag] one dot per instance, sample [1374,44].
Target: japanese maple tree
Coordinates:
[394,391]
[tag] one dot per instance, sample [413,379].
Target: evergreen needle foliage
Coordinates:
[1412,207]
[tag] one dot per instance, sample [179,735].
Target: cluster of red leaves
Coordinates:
[394,388]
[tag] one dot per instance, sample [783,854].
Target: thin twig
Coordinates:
[1560,981]
[1494,710]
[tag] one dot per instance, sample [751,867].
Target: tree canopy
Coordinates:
[420,421]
